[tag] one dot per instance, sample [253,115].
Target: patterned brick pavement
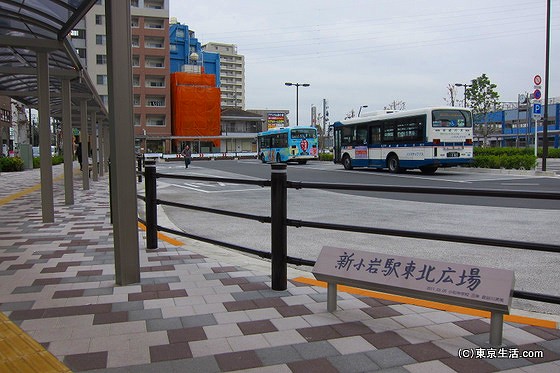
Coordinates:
[203,309]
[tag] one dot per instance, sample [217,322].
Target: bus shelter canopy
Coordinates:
[28,27]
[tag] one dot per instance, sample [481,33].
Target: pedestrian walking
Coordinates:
[79,154]
[187,155]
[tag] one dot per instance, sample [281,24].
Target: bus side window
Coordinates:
[361,135]
[375,135]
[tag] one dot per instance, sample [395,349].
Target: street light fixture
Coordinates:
[297,97]
[465,94]
[362,106]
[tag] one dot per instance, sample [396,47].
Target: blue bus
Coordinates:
[297,144]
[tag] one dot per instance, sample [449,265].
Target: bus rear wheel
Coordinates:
[347,162]
[428,170]
[393,164]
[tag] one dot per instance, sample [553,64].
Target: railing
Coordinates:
[279,221]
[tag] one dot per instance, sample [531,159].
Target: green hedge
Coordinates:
[325,157]
[11,164]
[552,152]
[517,162]
[57,159]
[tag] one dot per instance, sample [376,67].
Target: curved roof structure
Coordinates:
[31,26]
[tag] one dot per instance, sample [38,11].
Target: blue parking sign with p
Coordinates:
[537,109]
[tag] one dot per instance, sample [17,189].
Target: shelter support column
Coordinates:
[94,145]
[85,147]
[67,143]
[102,144]
[121,121]
[47,199]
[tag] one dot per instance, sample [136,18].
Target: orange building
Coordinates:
[195,107]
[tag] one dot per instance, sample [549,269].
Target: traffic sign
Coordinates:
[537,79]
[537,109]
[537,94]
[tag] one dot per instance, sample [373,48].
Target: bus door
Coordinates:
[337,144]
[374,151]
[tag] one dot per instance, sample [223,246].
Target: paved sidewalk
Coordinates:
[200,308]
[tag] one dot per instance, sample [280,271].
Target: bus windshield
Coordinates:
[303,133]
[451,118]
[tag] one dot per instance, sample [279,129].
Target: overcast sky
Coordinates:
[366,52]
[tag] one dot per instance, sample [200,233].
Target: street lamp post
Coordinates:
[360,110]
[297,97]
[465,92]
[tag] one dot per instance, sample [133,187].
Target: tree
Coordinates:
[452,92]
[483,99]
[396,105]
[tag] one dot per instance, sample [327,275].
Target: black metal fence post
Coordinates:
[279,229]
[139,160]
[151,204]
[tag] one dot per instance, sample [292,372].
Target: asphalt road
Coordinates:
[520,220]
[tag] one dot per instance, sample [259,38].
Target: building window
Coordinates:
[136,81]
[134,22]
[155,81]
[155,101]
[155,62]
[172,47]
[99,19]
[135,61]
[102,79]
[136,100]
[6,115]
[78,34]
[100,39]
[81,52]
[180,33]
[135,41]
[101,59]
[154,4]
[155,120]
[153,23]
[157,43]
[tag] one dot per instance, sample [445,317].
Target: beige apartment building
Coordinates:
[232,74]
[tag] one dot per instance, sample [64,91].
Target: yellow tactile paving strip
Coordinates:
[429,304]
[21,353]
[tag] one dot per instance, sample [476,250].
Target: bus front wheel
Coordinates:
[428,170]
[393,164]
[347,162]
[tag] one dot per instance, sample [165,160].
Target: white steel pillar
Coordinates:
[122,158]
[94,146]
[47,200]
[84,141]
[67,143]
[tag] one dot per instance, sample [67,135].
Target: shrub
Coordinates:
[11,164]
[325,156]
[518,161]
[57,159]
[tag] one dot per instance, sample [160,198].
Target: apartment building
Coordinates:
[232,74]
[150,66]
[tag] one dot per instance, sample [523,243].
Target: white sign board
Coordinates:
[467,282]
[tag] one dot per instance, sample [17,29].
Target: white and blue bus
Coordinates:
[298,144]
[423,138]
